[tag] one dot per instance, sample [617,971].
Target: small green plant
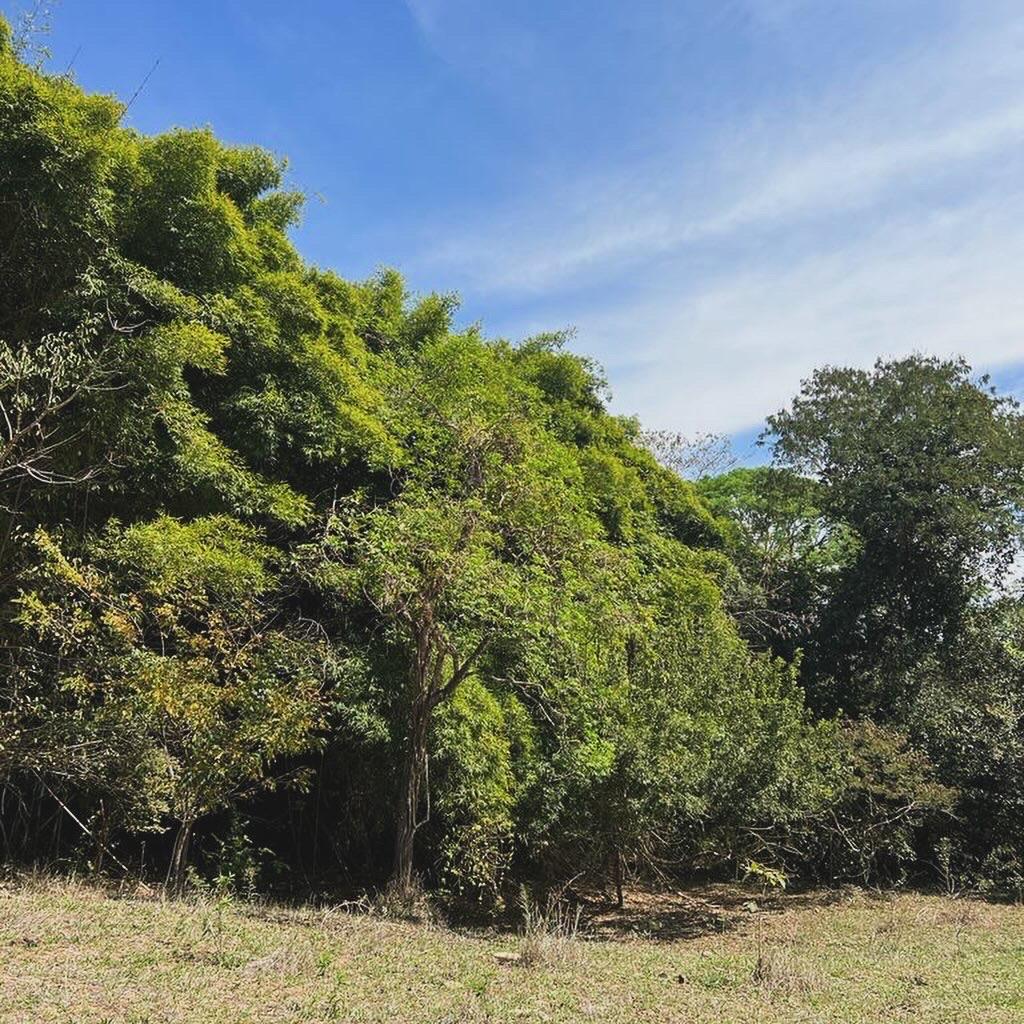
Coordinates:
[212,915]
[772,969]
[239,862]
[771,879]
[945,855]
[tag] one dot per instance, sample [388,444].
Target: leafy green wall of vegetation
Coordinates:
[301,583]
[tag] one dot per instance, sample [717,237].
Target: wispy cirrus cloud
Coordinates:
[727,351]
[960,102]
[873,215]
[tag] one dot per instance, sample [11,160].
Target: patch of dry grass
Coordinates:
[71,954]
[550,930]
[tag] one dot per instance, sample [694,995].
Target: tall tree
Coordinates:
[476,554]
[925,465]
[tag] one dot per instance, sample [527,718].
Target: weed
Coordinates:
[964,918]
[406,903]
[777,972]
[549,928]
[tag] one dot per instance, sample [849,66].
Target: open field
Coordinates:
[68,953]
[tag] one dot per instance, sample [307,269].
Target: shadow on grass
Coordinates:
[675,915]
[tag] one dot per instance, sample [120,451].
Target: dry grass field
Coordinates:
[72,954]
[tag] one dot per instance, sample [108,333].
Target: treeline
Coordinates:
[301,586]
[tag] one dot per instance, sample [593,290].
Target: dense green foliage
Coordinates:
[290,558]
[881,545]
[923,467]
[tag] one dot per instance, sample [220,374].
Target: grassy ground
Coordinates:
[68,953]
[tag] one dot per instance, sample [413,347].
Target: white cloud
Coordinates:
[726,354]
[629,222]
[922,118]
[873,219]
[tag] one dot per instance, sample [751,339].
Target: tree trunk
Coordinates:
[179,858]
[101,836]
[617,875]
[407,810]
[427,688]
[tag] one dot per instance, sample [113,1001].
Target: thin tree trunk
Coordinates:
[407,810]
[179,857]
[101,838]
[617,874]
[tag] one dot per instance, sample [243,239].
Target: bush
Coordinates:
[868,826]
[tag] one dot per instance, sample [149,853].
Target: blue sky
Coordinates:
[718,195]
